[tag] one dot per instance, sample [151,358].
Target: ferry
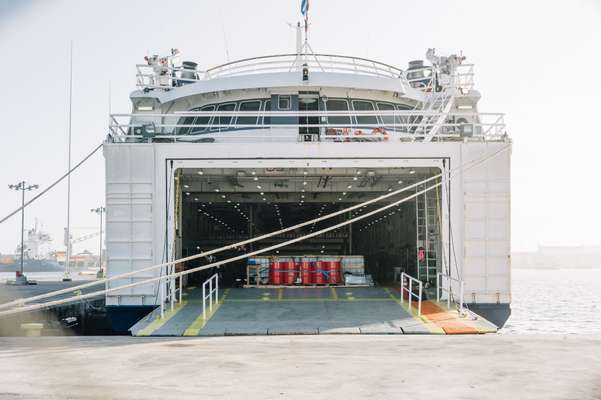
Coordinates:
[214,158]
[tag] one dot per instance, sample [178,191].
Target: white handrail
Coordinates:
[412,124]
[409,290]
[440,287]
[212,289]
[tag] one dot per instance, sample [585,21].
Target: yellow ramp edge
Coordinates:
[159,322]
[200,322]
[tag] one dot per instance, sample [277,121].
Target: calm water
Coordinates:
[551,301]
[555,301]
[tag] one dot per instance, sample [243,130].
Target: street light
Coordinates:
[99,211]
[20,278]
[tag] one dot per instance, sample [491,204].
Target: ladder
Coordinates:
[428,238]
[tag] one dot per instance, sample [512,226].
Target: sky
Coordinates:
[538,62]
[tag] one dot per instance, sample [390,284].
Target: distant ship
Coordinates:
[37,255]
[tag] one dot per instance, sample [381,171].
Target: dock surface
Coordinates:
[309,311]
[302,367]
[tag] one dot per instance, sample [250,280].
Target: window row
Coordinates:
[211,123]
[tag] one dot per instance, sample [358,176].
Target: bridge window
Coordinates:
[202,120]
[255,106]
[184,130]
[284,102]
[361,105]
[267,119]
[223,121]
[388,120]
[338,105]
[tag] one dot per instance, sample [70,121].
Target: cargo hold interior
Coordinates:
[215,207]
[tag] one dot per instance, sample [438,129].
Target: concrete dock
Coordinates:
[302,367]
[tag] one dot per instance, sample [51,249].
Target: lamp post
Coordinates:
[20,278]
[99,211]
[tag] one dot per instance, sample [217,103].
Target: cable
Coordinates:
[21,302]
[52,185]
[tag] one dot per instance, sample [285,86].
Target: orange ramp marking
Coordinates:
[445,320]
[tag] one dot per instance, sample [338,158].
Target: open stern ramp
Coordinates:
[295,311]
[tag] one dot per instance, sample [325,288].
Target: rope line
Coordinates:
[43,192]
[21,302]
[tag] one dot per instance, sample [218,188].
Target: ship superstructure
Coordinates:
[210,158]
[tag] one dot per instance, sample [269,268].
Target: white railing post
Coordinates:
[410,293]
[210,294]
[419,300]
[162,298]
[204,302]
[402,286]
[216,288]
[181,286]
[172,287]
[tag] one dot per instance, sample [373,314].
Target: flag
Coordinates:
[304,7]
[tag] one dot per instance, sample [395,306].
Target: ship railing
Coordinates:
[451,288]
[404,125]
[408,285]
[164,77]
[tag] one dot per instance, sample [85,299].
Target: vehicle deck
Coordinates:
[316,310]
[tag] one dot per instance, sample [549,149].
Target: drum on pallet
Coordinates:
[276,274]
[290,272]
[334,271]
[320,273]
[307,270]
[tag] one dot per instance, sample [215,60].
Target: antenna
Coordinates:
[67,276]
[227,51]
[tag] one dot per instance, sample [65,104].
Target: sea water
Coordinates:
[555,301]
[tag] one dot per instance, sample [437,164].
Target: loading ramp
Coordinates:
[295,311]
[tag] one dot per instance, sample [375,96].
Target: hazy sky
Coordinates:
[536,61]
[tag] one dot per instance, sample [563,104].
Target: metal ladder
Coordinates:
[427,235]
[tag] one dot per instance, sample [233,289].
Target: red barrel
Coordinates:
[275,272]
[290,272]
[320,275]
[307,271]
[334,271]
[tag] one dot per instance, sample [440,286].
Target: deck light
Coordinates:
[349,186]
[412,172]
[255,178]
[186,186]
[187,193]
[200,173]
[217,190]
[259,187]
[223,196]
